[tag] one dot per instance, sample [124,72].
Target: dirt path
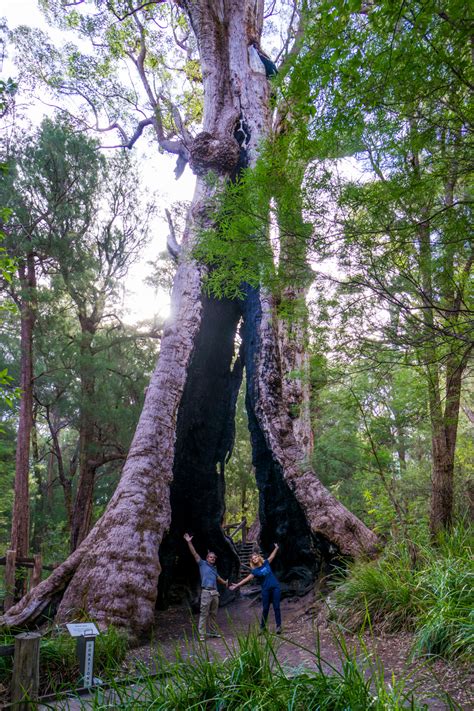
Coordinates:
[304,627]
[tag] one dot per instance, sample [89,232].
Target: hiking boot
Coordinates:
[278,630]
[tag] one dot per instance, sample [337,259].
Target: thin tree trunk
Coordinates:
[400,441]
[56,453]
[39,510]
[444,446]
[21,507]
[83,502]
[444,421]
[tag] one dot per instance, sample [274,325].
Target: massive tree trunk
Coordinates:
[173,479]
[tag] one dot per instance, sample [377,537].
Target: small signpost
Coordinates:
[85,632]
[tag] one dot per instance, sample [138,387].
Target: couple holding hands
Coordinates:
[260,569]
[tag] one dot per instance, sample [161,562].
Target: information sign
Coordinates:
[82,629]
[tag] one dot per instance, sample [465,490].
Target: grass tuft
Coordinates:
[435,599]
[252,678]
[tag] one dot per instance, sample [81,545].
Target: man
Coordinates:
[209,594]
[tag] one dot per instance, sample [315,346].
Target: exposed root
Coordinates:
[34,603]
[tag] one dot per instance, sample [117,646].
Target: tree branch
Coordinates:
[133,10]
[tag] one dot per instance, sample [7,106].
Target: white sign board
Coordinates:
[82,629]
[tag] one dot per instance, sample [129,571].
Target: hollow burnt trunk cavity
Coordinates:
[204,440]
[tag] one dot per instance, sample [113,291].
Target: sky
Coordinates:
[140,301]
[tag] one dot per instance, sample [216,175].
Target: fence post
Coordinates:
[244,530]
[37,570]
[10,563]
[25,679]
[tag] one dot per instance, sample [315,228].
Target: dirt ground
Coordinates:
[305,625]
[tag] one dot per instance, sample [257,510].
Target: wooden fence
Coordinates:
[12,563]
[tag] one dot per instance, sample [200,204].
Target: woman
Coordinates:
[271,592]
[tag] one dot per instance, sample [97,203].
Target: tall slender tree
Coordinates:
[35,194]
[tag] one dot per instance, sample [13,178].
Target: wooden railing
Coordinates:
[11,563]
[232,529]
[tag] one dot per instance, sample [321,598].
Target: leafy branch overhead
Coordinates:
[133,70]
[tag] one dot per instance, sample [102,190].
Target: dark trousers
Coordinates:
[271,596]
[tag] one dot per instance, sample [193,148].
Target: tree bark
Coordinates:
[444,420]
[37,535]
[444,435]
[173,479]
[21,508]
[82,509]
[56,453]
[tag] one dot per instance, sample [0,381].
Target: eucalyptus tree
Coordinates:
[173,477]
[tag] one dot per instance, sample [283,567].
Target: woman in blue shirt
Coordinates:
[271,592]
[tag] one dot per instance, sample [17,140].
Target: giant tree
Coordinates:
[173,479]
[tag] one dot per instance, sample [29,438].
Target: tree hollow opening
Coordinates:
[204,443]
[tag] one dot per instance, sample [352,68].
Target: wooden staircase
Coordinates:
[245,551]
[244,548]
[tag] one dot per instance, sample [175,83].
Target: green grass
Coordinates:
[435,599]
[252,678]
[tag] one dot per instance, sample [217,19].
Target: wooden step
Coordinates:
[245,551]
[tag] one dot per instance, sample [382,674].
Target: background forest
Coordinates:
[369,175]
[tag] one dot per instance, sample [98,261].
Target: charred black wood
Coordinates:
[205,437]
[282,520]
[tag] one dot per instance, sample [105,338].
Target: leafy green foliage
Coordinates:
[84,220]
[8,90]
[108,42]
[257,234]
[241,489]
[371,439]
[238,249]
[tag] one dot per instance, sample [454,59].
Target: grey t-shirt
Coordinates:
[208,574]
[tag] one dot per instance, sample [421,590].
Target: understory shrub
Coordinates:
[435,598]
